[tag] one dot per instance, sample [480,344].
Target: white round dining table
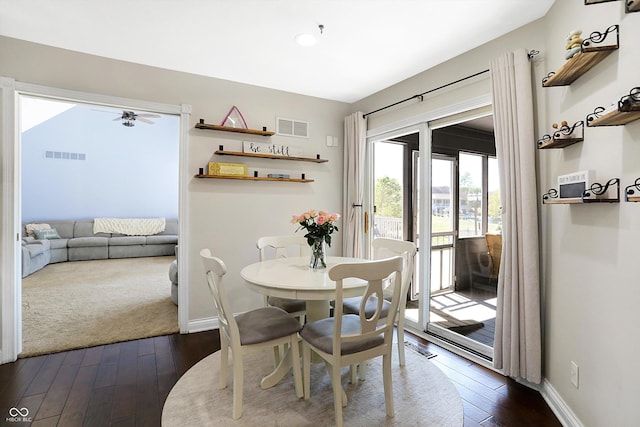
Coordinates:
[292,278]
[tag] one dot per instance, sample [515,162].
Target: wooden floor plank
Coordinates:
[126,384]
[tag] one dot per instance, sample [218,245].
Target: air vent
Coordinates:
[63,155]
[290,127]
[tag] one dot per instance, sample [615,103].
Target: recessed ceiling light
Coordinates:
[306,39]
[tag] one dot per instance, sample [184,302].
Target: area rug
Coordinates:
[81,304]
[423,396]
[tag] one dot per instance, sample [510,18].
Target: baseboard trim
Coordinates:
[201,325]
[564,413]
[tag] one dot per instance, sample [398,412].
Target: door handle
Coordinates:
[366,222]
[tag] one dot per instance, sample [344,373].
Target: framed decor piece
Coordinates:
[234,119]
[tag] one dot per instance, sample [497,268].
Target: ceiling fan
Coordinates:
[129,118]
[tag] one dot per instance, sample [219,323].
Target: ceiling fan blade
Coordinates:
[117,118]
[143,120]
[148,115]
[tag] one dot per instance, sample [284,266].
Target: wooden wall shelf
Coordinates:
[596,189]
[253,178]
[270,156]
[236,130]
[628,110]
[632,192]
[563,137]
[590,55]
[632,6]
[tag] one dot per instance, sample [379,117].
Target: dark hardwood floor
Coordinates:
[126,384]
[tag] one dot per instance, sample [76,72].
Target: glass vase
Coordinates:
[317,260]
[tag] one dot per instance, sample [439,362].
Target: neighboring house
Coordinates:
[588,253]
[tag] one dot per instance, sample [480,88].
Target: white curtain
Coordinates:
[517,347]
[355,131]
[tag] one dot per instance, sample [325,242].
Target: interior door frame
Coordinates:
[10,277]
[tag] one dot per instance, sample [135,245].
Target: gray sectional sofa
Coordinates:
[77,242]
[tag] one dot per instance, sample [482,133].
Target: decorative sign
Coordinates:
[272,149]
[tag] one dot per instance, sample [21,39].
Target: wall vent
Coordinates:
[290,127]
[64,155]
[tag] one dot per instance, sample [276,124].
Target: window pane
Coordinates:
[388,170]
[495,204]
[470,207]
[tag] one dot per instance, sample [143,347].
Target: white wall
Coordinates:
[588,252]
[225,215]
[109,170]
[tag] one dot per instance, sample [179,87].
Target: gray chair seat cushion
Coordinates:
[320,334]
[265,324]
[352,306]
[288,305]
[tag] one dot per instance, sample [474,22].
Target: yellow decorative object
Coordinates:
[228,169]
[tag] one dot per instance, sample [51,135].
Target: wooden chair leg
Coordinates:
[400,334]
[306,370]
[224,362]
[388,385]
[338,400]
[295,356]
[238,380]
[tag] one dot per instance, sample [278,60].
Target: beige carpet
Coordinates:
[81,304]
[423,396]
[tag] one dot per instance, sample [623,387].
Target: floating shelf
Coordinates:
[236,130]
[270,156]
[632,192]
[253,178]
[588,2]
[590,55]
[596,189]
[632,6]
[628,111]
[563,137]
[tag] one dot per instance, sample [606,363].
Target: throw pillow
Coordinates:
[46,234]
[29,228]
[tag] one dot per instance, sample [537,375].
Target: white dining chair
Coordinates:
[346,340]
[383,248]
[262,327]
[281,247]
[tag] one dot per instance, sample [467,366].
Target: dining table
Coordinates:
[293,278]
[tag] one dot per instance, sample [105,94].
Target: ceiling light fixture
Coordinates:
[306,39]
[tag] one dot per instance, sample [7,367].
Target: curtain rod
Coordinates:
[421,95]
[530,55]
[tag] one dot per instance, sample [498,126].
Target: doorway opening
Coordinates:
[454,292]
[81,161]
[465,224]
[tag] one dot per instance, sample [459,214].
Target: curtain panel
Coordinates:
[517,347]
[355,132]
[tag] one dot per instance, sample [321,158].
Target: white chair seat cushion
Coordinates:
[288,305]
[320,335]
[352,306]
[265,324]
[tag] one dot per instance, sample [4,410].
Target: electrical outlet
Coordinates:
[574,374]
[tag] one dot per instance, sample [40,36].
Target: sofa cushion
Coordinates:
[85,242]
[31,228]
[38,247]
[161,239]
[127,241]
[64,228]
[49,234]
[58,243]
[84,228]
